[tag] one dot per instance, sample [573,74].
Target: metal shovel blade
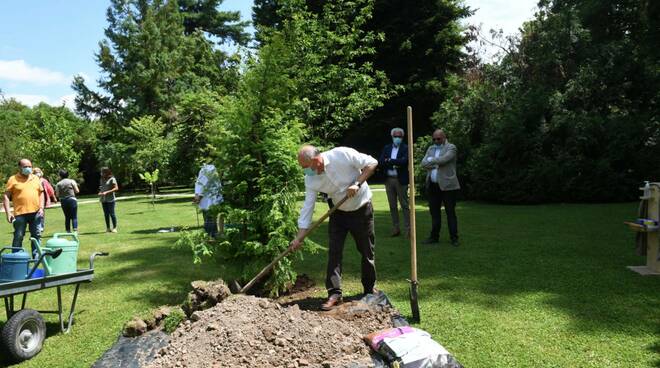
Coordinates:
[414,305]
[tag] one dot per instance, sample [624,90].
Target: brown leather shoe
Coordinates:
[333,301]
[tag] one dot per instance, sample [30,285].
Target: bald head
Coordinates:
[439,136]
[25,166]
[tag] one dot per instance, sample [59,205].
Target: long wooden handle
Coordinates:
[272,264]
[411,200]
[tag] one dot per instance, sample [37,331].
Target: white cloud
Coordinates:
[20,71]
[507,15]
[32,100]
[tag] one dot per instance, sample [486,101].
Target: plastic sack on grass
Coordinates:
[408,347]
[375,338]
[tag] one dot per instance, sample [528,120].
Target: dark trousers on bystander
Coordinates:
[395,191]
[20,223]
[210,224]
[109,213]
[70,209]
[436,198]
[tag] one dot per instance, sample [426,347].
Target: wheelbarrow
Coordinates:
[23,335]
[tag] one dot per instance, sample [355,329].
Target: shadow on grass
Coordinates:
[167,229]
[528,253]
[183,199]
[655,348]
[92,232]
[134,213]
[172,267]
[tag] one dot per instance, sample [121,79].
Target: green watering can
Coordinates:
[67,261]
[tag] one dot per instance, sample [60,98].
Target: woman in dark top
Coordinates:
[107,189]
[66,190]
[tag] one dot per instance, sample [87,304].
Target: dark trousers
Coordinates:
[70,209]
[20,223]
[436,198]
[394,191]
[109,213]
[210,224]
[360,223]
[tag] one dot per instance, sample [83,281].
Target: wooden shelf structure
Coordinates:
[651,233]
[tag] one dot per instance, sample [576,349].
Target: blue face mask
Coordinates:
[309,171]
[26,170]
[397,140]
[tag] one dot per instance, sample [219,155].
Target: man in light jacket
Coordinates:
[441,185]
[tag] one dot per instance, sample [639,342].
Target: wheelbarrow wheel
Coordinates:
[23,335]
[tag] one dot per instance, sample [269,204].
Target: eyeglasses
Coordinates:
[437,139]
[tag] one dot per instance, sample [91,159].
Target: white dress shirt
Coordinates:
[395,151]
[208,186]
[434,172]
[342,166]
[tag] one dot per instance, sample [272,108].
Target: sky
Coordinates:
[44,43]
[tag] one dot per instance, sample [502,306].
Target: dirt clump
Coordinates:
[205,294]
[246,331]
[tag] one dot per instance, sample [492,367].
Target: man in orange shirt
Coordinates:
[25,191]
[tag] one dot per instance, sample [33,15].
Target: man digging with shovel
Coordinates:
[340,172]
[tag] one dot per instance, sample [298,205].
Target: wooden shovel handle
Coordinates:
[411,199]
[272,264]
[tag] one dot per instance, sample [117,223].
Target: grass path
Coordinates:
[530,286]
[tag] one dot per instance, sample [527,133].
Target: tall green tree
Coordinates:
[423,44]
[14,117]
[155,53]
[337,83]
[569,114]
[52,137]
[150,143]
[305,82]
[196,112]
[204,15]
[256,137]
[417,44]
[148,61]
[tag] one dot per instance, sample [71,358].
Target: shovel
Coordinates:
[414,304]
[267,269]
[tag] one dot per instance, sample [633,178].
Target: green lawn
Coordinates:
[530,286]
